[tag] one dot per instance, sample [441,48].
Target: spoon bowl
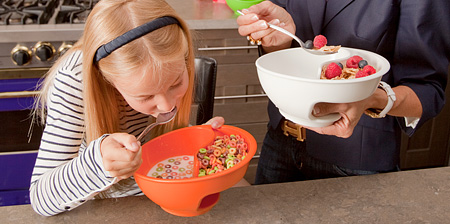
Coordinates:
[161,119]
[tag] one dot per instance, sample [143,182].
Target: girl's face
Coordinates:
[152,96]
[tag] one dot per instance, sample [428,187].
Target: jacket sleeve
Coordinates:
[422,54]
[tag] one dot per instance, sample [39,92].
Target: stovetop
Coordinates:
[31,26]
[28,12]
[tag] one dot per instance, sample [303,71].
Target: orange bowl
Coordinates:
[191,196]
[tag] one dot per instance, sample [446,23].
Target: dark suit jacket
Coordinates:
[414,35]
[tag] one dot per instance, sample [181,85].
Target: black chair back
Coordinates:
[205,87]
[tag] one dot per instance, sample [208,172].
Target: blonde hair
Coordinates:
[108,20]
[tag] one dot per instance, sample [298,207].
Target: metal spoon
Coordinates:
[302,44]
[161,119]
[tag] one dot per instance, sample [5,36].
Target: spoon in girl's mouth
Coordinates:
[161,119]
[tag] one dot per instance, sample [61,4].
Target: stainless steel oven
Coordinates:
[33,34]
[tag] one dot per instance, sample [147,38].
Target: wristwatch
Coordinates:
[377,113]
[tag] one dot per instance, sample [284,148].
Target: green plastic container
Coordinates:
[241,4]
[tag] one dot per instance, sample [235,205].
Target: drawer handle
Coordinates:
[226,48]
[21,94]
[239,96]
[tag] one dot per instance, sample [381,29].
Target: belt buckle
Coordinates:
[295,130]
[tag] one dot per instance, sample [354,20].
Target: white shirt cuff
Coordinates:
[412,121]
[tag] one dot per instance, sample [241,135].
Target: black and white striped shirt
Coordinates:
[69,172]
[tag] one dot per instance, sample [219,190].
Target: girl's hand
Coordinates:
[254,23]
[121,154]
[216,122]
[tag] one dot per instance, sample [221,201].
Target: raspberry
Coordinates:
[333,70]
[361,74]
[320,41]
[369,69]
[353,61]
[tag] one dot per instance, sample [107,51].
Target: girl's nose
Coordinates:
[164,103]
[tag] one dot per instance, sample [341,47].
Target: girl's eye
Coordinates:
[146,99]
[177,85]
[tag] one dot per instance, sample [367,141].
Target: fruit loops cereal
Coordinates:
[179,167]
[355,67]
[224,153]
[320,43]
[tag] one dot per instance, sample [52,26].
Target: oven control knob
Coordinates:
[65,46]
[21,55]
[44,51]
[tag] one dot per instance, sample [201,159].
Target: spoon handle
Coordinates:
[146,130]
[287,33]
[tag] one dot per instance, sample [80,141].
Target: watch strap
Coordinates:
[377,113]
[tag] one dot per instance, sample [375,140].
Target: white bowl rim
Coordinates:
[379,73]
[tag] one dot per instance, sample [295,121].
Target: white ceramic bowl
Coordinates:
[291,80]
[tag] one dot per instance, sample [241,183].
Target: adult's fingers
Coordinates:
[255,17]
[250,24]
[322,109]
[341,128]
[247,19]
[263,9]
[270,36]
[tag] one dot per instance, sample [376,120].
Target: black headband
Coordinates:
[133,34]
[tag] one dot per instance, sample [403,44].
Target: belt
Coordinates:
[293,129]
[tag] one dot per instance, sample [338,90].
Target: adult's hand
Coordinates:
[350,115]
[122,155]
[406,105]
[254,23]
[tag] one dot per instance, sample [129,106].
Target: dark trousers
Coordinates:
[284,159]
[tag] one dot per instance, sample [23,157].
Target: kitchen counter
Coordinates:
[420,196]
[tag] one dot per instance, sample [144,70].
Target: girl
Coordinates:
[134,61]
